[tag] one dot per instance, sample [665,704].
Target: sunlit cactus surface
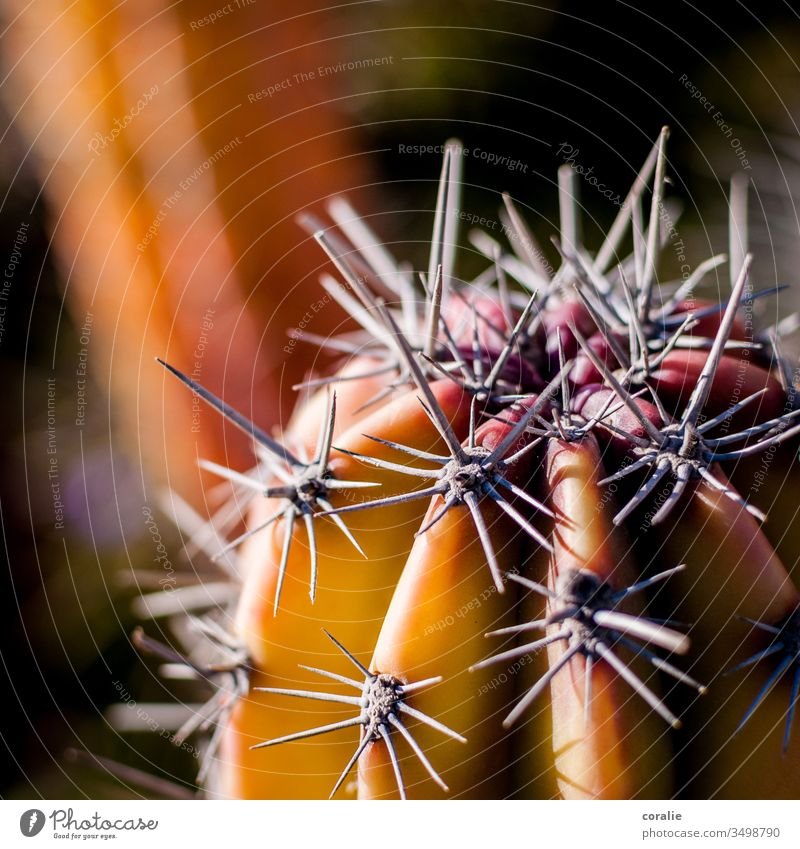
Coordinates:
[534,535]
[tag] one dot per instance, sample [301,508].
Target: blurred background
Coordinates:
[153,159]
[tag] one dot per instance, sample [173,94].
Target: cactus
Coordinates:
[520,545]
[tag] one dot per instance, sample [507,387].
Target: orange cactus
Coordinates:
[562,490]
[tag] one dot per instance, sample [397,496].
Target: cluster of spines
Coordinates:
[413,343]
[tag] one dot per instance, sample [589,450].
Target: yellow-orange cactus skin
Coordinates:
[532,741]
[352,597]
[355,400]
[731,571]
[629,544]
[444,604]
[623,751]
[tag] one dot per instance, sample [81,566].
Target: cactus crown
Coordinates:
[515,354]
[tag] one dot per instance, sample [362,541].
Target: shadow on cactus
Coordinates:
[570,452]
